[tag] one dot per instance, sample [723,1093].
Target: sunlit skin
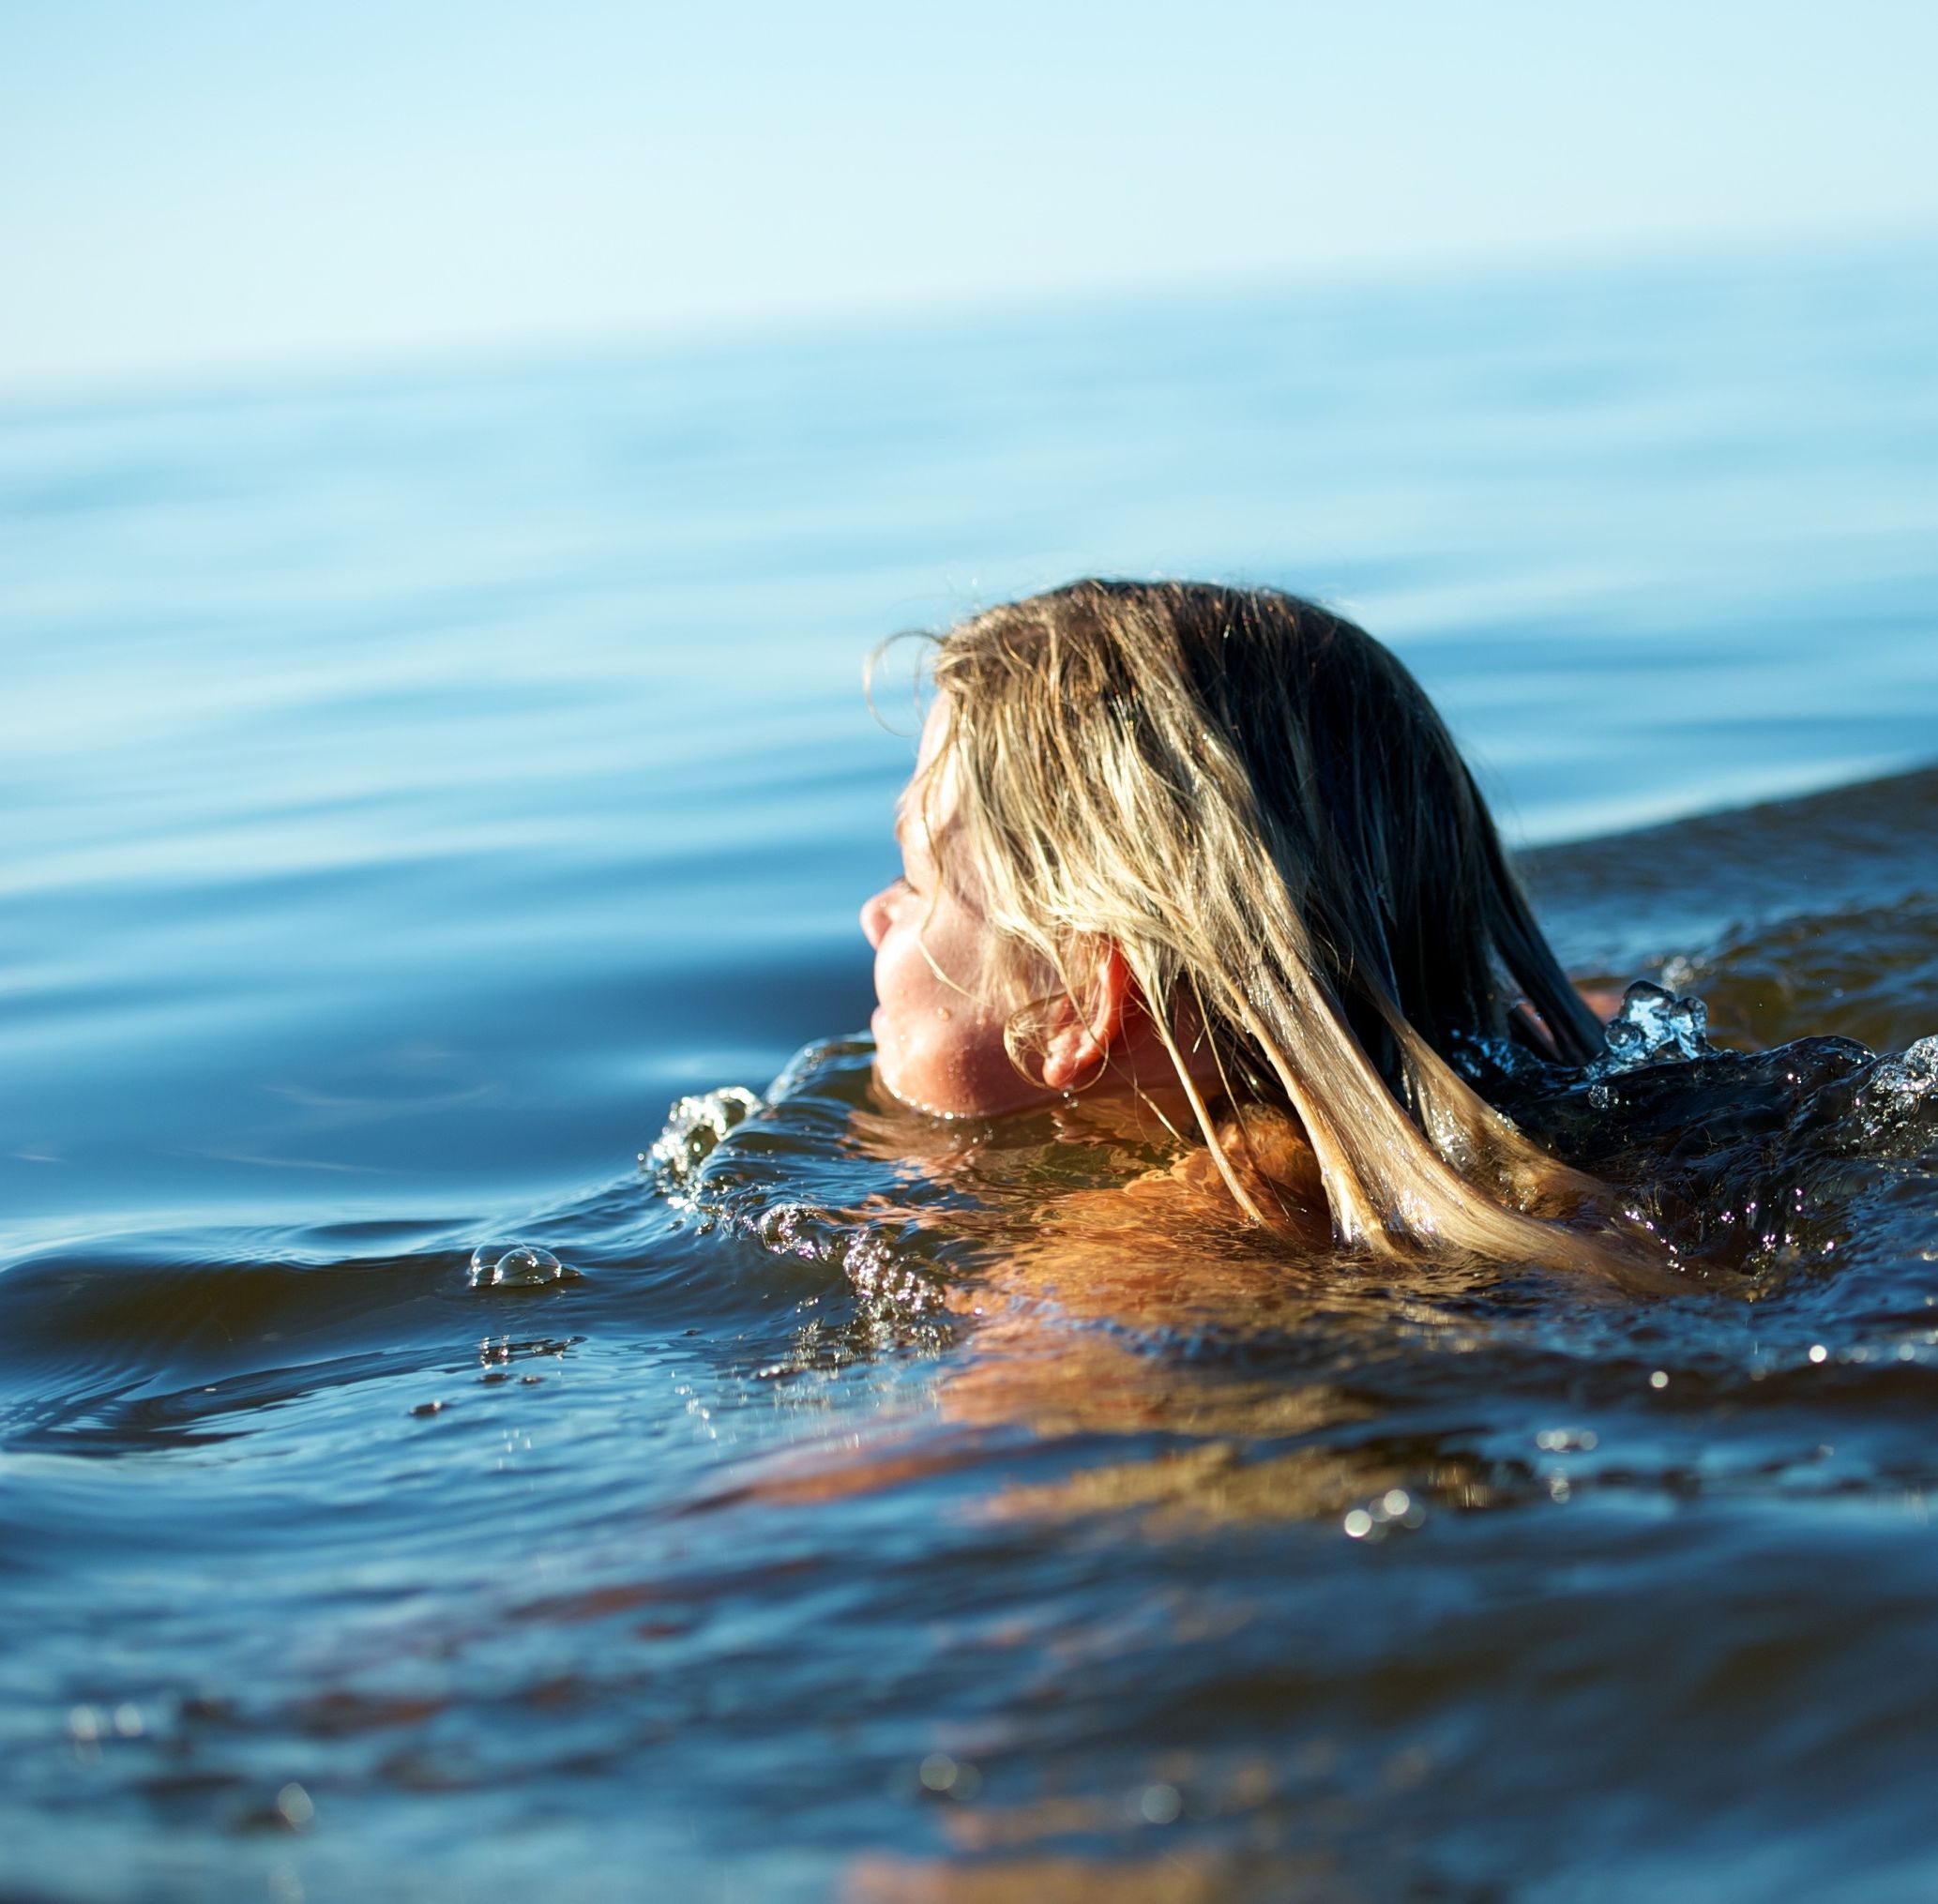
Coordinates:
[938,1039]
[938,1030]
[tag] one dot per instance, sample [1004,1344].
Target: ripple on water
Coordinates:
[863,1481]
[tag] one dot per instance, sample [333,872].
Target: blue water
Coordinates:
[417,782]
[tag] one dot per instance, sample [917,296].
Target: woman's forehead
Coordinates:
[925,803]
[934,731]
[920,813]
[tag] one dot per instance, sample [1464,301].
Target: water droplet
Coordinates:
[293,1806]
[1160,1803]
[1357,1523]
[951,1777]
[1819,1353]
[1660,1378]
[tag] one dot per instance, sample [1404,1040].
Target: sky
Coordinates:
[191,189]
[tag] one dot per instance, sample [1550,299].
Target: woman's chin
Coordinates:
[892,1083]
[947,1082]
[889,1081]
[907,1087]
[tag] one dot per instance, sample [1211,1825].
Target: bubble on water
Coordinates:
[527,1264]
[517,1265]
[1653,1027]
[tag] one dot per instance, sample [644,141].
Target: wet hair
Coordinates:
[1258,806]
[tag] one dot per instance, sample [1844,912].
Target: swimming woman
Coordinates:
[1212,849]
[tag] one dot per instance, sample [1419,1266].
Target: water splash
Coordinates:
[861,1250]
[1909,1078]
[793,1182]
[694,1127]
[1654,1027]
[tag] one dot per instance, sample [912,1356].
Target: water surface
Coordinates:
[419,784]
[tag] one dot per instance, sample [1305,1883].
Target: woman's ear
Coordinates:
[1080,1039]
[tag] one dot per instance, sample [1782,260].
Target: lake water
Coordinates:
[417,783]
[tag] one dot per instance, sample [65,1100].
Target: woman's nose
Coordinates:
[875,919]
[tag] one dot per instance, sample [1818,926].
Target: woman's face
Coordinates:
[938,1035]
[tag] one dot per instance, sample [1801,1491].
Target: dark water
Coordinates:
[414,787]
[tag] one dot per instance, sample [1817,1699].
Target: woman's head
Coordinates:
[1224,826]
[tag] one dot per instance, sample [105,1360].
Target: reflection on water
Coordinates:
[906,1496]
[402,1497]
